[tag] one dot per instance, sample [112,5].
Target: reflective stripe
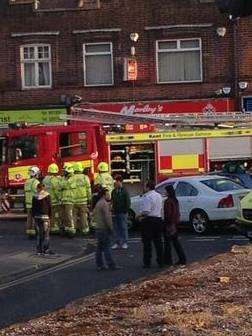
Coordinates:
[221,133]
[30,189]
[30,232]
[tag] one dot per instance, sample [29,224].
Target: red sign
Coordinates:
[205,106]
[130,69]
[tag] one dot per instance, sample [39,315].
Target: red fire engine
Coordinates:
[128,143]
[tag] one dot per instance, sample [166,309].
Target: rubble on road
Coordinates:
[210,298]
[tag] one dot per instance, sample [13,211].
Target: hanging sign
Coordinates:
[130,69]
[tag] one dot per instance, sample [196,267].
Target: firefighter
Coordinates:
[103,178]
[30,189]
[52,183]
[82,198]
[68,186]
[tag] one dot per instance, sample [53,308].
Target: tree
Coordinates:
[236,8]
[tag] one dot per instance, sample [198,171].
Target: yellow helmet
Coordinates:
[78,167]
[103,167]
[68,167]
[53,168]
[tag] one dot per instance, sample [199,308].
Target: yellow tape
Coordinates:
[179,135]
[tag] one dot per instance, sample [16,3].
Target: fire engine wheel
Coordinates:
[199,221]
[131,219]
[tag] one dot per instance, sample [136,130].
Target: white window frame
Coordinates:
[179,50]
[98,53]
[36,61]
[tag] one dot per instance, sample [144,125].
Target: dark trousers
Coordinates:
[42,227]
[152,228]
[170,240]
[103,247]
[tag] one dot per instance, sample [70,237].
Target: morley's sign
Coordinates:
[42,116]
[205,106]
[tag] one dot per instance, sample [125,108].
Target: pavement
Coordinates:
[18,253]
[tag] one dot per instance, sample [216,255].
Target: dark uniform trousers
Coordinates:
[152,228]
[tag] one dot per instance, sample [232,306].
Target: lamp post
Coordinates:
[242,87]
[226,91]
[132,63]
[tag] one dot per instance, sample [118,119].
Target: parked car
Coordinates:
[237,172]
[202,200]
[244,179]
[245,214]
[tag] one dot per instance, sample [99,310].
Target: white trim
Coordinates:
[200,25]
[99,53]
[35,61]
[105,30]
[179,50]
[35,34]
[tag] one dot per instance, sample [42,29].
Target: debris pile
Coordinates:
[206,298]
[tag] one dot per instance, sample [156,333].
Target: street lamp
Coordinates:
[242,87]
[134,38]
[221,31]
[225,91]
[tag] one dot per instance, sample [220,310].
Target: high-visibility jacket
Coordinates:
[82,192]
[68,186]
[30,189]
[53,186]
[105,180]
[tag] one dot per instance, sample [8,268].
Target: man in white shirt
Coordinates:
[151,224]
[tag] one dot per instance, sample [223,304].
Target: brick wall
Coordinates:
[130,16]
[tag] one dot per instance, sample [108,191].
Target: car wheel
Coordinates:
[199,221]
[131,220]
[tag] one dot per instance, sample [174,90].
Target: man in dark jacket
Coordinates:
[120,206]
[41,212]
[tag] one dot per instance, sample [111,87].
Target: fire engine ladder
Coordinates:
[218,119]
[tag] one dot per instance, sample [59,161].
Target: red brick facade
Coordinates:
[225,60]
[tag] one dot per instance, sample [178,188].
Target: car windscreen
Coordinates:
[221,184]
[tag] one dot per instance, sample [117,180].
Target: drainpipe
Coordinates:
[236,62]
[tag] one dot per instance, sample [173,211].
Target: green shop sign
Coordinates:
[43,116]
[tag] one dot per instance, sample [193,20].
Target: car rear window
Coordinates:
[222,184]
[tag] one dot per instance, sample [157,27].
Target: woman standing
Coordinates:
[171,222]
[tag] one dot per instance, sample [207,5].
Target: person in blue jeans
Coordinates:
[120,207]
[102,221]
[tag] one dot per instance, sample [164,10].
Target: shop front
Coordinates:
[199,106]
[32,116]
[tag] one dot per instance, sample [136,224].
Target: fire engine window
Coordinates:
[73,144]
[23,148]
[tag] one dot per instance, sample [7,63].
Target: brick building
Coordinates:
[50,49]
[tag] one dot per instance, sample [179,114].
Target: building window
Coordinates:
[179,61]
[36,66]
[98,64]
